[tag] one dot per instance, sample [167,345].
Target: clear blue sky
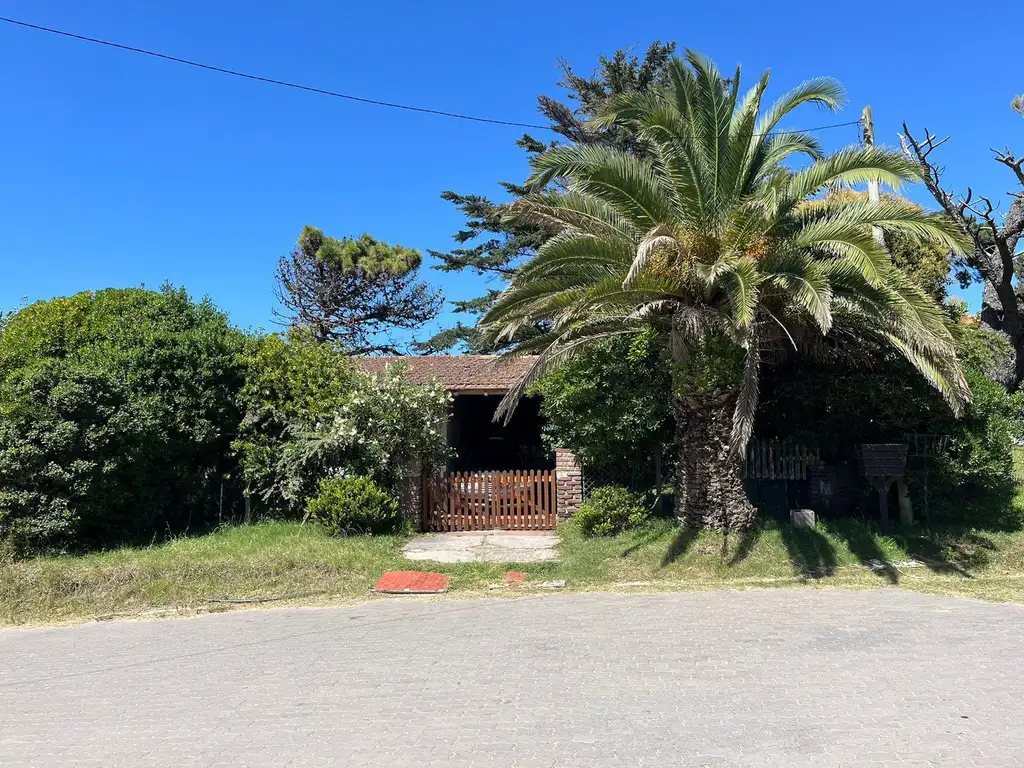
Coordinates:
[119,170]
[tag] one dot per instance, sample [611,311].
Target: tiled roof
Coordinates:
[488,374]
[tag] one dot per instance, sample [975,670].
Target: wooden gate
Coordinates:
[479,501]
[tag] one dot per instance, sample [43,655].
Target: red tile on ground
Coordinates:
[515,578]
[411,582]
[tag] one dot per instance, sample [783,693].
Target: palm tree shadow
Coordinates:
[811,553]
[748,540]
[862,543]
[680,544]
[931,551]
[648,538]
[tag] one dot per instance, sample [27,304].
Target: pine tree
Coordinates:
[494,248]
[354,293]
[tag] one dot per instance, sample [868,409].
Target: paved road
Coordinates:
[770,678]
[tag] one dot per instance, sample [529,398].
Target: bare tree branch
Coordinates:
[919,151]
[995,256]
[1006,158]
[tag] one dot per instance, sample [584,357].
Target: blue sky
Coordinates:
[120,170]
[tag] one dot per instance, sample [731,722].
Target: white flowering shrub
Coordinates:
[310,415]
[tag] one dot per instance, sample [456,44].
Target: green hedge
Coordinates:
[611,509]
[117,409]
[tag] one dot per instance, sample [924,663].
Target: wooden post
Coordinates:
[883,503]
[867,125]
[906,508]
[881,485]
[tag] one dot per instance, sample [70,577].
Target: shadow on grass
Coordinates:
[811,553]
[680,544]
[949,552]
[951,543]
[748,540]
[862,541]
[648,538]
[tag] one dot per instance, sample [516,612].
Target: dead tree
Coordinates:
[994,258]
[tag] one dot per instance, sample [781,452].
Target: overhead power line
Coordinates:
[323,91]
[271,80]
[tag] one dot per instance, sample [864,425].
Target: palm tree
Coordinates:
[739,259]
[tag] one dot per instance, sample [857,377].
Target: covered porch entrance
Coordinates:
[501,476]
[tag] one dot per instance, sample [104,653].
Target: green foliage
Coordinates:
[721,245]
[611,404]
[309,414]
[610,510]
[117,409]
[366,254]
[714,364]
[837,405]
[981,453]
[492,245]
[925,264]
[353,292]
[353,504]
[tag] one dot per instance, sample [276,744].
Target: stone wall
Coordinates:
[568,483]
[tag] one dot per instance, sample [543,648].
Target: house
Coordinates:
[500,475]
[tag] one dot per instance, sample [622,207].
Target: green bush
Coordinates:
[611,509]
[353,505]
[836,405]
[117,409]
[611,405]
[310,414]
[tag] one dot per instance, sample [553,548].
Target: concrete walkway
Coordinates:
[766,679]
[484,547]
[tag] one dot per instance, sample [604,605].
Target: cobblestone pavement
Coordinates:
[759,678]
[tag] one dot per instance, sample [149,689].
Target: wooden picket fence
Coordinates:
[779,460]
[480,501]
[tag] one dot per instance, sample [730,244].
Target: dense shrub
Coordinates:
[117,409]
[310,414]
[611,509]
[353,504]
[611,405]
[835,406]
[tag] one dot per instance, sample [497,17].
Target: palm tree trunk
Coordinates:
[709,485]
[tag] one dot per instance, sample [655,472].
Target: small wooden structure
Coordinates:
[883,464]
[480,501]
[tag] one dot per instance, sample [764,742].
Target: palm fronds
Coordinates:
[714,236]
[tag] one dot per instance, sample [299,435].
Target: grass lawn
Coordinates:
[305,567]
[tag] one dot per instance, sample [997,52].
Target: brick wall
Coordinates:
[568,483]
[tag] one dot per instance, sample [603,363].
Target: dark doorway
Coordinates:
[482,443]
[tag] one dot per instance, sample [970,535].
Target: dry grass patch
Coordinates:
[300,565]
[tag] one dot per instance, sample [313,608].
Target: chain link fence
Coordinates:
[640,475]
